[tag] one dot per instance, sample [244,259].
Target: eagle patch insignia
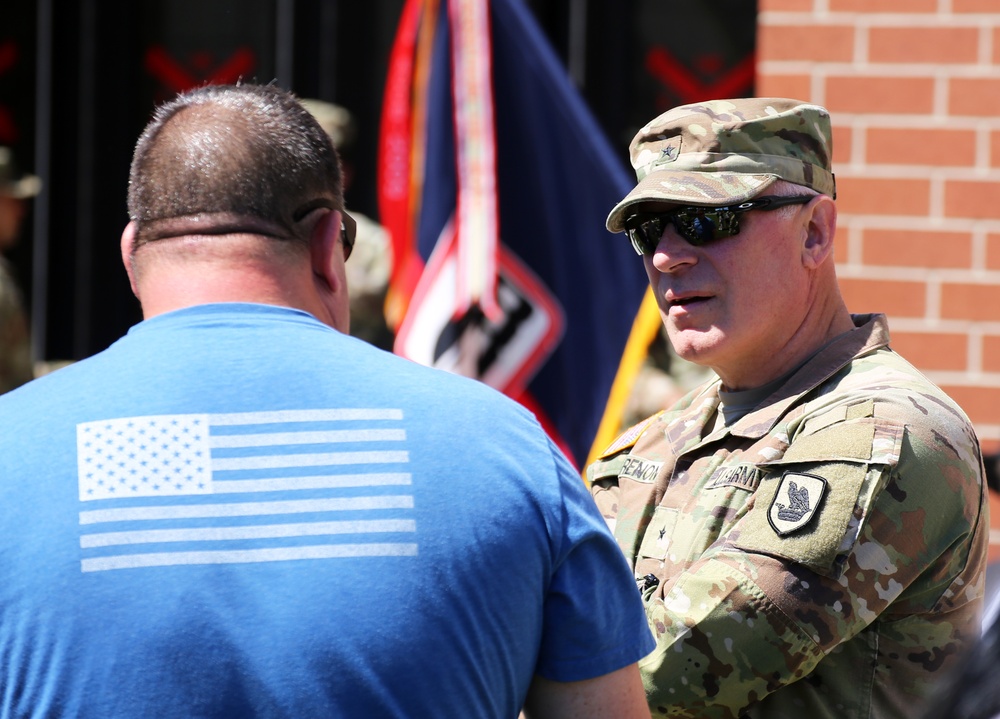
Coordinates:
[796,502]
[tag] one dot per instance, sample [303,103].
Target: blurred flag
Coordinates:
[494,182]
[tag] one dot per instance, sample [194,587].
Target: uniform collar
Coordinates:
[871,332]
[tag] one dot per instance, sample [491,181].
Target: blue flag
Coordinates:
[495,181]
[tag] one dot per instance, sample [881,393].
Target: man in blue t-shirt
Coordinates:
[239,510]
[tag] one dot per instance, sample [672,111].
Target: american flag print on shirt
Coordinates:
[284,485]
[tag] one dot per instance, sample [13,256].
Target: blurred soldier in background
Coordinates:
[663,379]
[368,272]
[15,346]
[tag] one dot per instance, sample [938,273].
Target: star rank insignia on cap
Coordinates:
[796,502]
[670,151]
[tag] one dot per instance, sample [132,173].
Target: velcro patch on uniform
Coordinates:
[816,537]
[848,441]
[744,476]
[639,469]
[796,501]
[659,534]
[860,409]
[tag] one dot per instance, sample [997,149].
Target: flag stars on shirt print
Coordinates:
[264,486]
[144,456]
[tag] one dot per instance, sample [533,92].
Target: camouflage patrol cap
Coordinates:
[724,152]
[334,119]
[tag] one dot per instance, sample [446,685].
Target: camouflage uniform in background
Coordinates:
[832,537]
[15,343]
[368,281]
[371,258]
[16,187]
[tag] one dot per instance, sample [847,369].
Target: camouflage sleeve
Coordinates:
[757,610]
[603,478]
[602,474]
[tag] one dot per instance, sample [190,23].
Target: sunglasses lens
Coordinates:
[347,239]
[700,227]
[645,233]
[697,225]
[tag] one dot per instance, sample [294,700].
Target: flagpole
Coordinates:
[644,329]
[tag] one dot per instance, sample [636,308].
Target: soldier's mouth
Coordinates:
[688,301]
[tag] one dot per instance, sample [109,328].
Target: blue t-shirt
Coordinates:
[237,511]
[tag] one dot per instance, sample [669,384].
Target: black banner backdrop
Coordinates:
[78,81]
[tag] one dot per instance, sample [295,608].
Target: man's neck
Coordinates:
[188,276]
[782,360]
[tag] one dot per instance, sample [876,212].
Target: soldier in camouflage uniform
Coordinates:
[371,258]
[809,529]
[15,345]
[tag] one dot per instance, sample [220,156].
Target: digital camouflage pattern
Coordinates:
[725,152]
[824,556]
[15,345]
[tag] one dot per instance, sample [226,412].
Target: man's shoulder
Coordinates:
[904,414]
[627,439]
[648,435]
[898,388]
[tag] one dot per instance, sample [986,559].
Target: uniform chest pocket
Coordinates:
[839,472]
[656,540]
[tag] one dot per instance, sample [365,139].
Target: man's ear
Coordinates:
[128,246]
[323,239]
[820,228]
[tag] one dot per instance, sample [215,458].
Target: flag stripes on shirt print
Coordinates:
[246,487]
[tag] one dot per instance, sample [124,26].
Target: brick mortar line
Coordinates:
[900,21]
[912,325]
[909,273]
[931,223]
[984,380]
[908,70]
[914,121]
[948,173]
[927,223]
[994,428]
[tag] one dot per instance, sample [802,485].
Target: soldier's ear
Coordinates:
[820,227]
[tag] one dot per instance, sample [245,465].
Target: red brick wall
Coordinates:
[913,87]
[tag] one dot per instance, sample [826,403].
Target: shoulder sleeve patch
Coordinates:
[629,437]
[806,517]
[813,514]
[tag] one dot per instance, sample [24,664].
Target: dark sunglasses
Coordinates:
[698,225]
[347,237]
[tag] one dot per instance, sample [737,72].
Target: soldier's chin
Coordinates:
[694,345]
